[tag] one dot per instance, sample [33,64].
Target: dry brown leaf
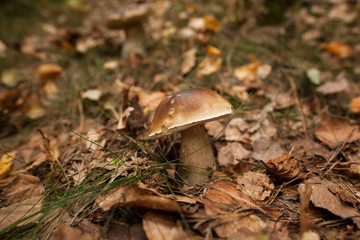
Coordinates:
[338,49]
[161,226]
[92,94]
[130,195]
[223,198]
[214,128]
[285,166]
[231,152]
[64,231]
[2,49]
[94,138]
[239,91]
[334,131]
[310,235]
[352,166]
[10,78]
[236,130]
[265,149]
[314,149]
[252,71]
[21,211]
[333,198]
[150,100]
[23,186]
[209,65]
[355,105]
[111,64]
[344,12]
[123,117]
[255,185]
[197,24]
[189,60]
[257,126]
[281,99]
[211,23]
[51,151]
[339,84]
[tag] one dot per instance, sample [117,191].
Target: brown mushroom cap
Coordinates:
[187,108]
[49,71]
[126,16]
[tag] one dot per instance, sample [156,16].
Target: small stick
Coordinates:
[299,105]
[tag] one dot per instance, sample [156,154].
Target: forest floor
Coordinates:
[76,161]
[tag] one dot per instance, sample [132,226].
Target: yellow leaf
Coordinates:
[211,23]
[338,49]
[355,105]
[209,65]
[214,51]
[6,162]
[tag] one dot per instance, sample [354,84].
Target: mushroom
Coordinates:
[130,19]
[187,111]
[48,73]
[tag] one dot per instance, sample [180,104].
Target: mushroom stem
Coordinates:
[134,42]
[196,154]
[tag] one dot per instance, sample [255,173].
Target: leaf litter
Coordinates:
[288,159]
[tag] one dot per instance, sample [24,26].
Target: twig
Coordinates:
[299,105]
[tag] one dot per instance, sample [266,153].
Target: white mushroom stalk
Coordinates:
[131,19]
[187,111]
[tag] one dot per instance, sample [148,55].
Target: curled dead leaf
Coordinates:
[285,167]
